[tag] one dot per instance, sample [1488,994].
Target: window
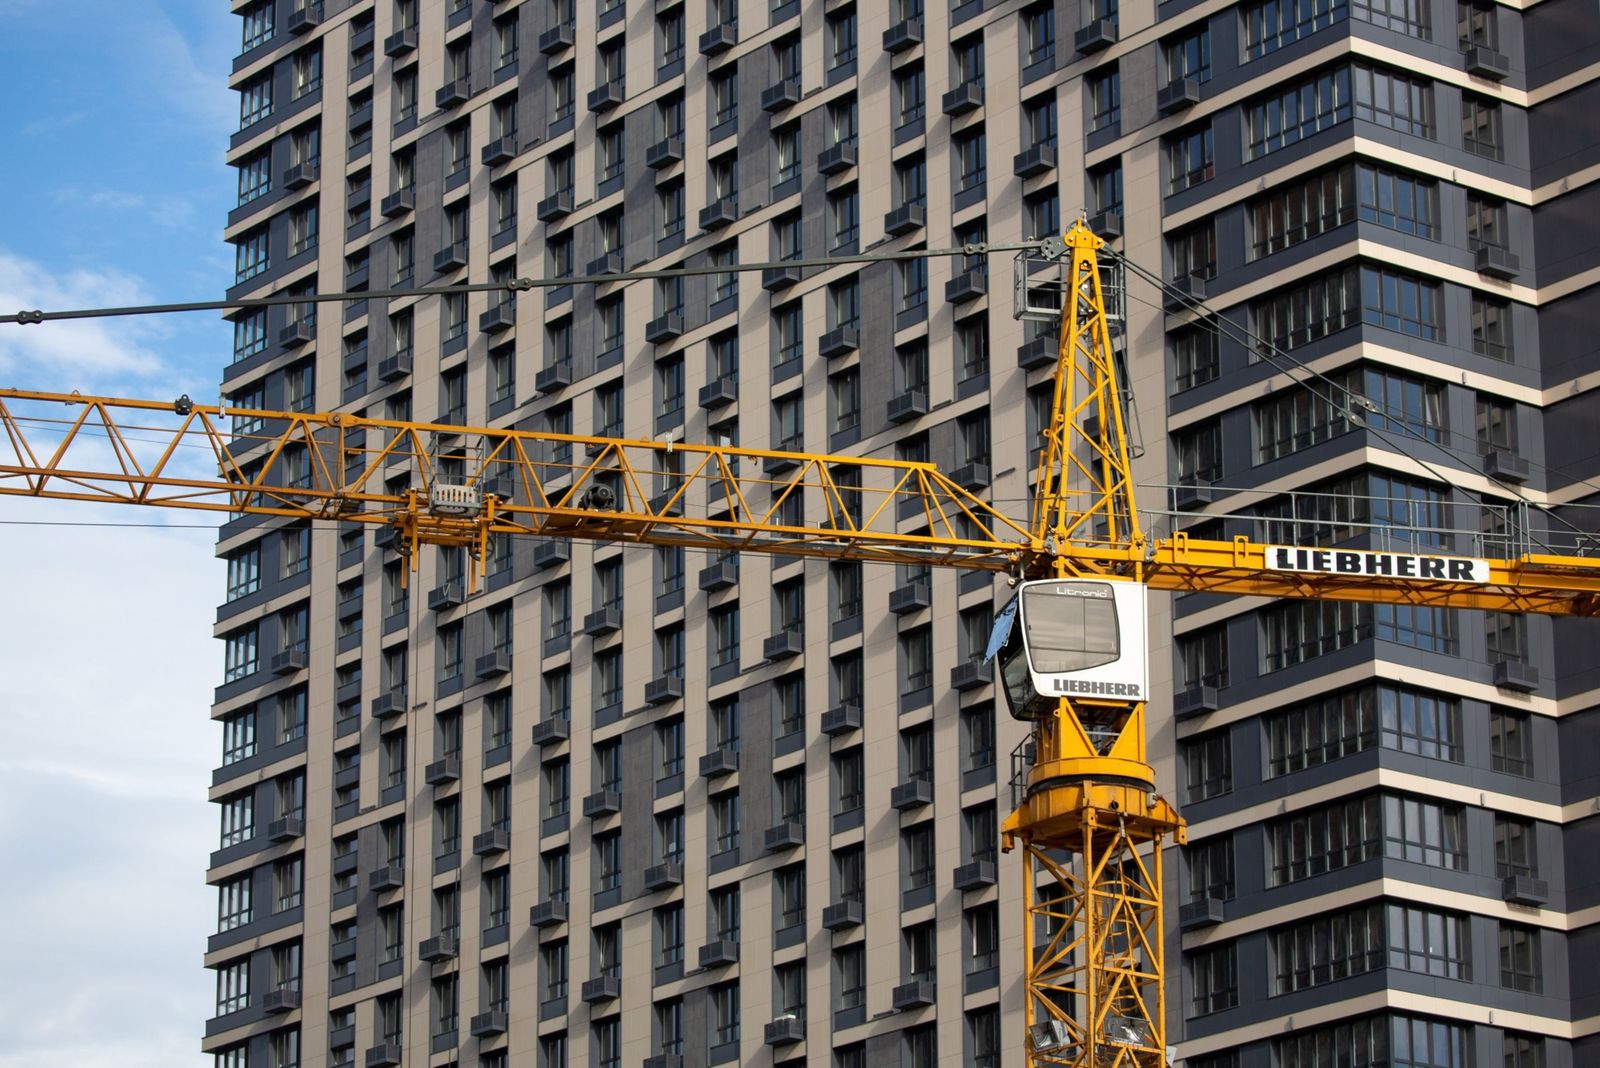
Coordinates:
[607,861]
[849,977]
[244,572]
[670,200]
[1041,216]
[1271,24]
[909,90]
[669,38]
[1519,1050]
[841,38]
[1038,34]
[844,216]
[1428,941]
[916,660]
[1327,948]
[913,284]
[250,255]
[669,1027]
[234,903]
[842,121]
[292,714]
[553,963]
[233,986]
[725,1014]
[306,71]
[1189,159]
[786,153]
[1105,98]
[258,25]
[1197,454]
[1188,56]
[917,851]
[1480,126]
[723,905]
[977,737]
[669,935]
[669,749]
[241,660]
[1294,632]
[1296,112]
[1213,979]
[844,395]
[724,90]
[1476,27]
[557,788]
[391,923]
[1313,309]
[1406,303]
[725,822]
[283,1047]
[724,645]
[1510,744]
[255,100]
[255,177]
[1209,763]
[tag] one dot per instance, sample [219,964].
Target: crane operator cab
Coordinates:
[1078,638]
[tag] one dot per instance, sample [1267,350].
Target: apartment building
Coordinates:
[646,807]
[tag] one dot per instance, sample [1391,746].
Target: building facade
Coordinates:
[635,806]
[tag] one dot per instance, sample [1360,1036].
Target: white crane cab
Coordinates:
[1078,638]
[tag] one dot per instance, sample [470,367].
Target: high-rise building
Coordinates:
[639,807]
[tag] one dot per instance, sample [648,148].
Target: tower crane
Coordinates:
[1071,645]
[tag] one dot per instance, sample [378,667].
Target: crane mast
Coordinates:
[1090,824]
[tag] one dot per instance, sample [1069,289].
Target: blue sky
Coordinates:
[113,189]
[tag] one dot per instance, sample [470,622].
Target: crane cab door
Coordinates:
[1080,638]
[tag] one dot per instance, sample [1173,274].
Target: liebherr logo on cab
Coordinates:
[1091,688]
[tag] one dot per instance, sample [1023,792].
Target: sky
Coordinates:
[115,116]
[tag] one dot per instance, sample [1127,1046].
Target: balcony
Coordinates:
[719,762]
[552,552]
[605,263]
[438,948]
[401,42]
[398,203]
[963,99]
[975,876]
[280,1001]
[554,378]
[775,278]
[781,95]
[840,341]
[386,705]
[783,645]
[664,153]
[719,39]
[843,915]
[605,988]
[786,1030]
[789,834]
[557,39]
[912,597]
[1097,36]
[842,719]
[1505,465]
[300,175]
[548,913]
[305,19]
[491,843]
[607,620]
[909,405]
[838,159]
[1191,495]
[289,661]
[1183,292]
[663,876]
[1524,890]
[1194,702]
[1496,262]
[447,596]
[1515,675]
[501,316]
[602,803]
[973,476]
[913,995]
[1177,95]
[722,575]
[719,393]
[1194,915]
[453,94]
[551,731]
[909,795]
[719,954]
[605,97]
[967,286]
[386,1055]
[903,35]
[500,150]
[971,675]
[664,690]
[286,829]
[1040,159]
[442,771]
[905,219]
[722,212]
[1487,63]
[555,206]
[452,257]
[1106,224]
[664,328]
[489,1024]
[389,877]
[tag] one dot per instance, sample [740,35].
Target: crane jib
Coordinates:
[1367,564]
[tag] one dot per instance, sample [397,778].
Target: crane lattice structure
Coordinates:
[1091,826]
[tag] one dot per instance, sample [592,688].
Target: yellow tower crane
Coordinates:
[1071,646]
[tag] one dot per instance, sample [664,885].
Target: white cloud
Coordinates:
[106,670]
[78,353]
